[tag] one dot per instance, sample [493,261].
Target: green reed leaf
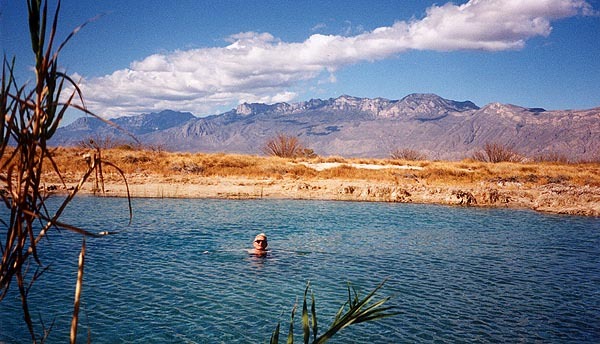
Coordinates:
[290,338]
[275,335]
[305,325]
[314,316]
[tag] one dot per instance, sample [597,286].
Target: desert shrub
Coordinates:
[552,157]
[595,159]
[188,167]
[308,153]
[285,146]
[158,148]
[407,154]
[531,178]
[557,179]
[127,147]
[496,152]
[528,169]
[107,142]
[134,159]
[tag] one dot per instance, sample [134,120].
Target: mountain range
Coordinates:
[359,127]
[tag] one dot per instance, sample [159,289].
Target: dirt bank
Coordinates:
[552,198]
[548,187]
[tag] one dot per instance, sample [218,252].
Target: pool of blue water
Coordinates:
[180,273]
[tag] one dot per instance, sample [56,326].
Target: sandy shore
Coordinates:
[552,198]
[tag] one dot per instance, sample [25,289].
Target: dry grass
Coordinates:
[185,167]
[531,173]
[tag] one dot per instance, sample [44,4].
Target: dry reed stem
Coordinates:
[28,120]
[78,287]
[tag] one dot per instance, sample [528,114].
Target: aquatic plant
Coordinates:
[353,311]
[28,119]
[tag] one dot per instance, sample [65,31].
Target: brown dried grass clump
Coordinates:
[349,172]
[529,173]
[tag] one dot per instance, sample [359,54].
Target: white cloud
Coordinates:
[259,67]
[318,27]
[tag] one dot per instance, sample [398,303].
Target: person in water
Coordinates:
[260,245]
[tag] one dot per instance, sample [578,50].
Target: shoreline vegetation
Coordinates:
[561,188]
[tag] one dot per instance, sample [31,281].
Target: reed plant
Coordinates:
[29,116]
[352,312]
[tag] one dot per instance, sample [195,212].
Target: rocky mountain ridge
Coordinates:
[376,107]
[361,127]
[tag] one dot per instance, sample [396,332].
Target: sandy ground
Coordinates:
[553,198]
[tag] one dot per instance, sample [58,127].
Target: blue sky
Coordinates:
[208,56]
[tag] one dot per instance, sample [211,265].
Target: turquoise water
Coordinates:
[181,274]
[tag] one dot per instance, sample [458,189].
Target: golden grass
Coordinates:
[186,166]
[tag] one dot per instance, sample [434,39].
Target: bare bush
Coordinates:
[407,154]
[496,152]
[552,157]
[287,147]
[107,142]
[158,148]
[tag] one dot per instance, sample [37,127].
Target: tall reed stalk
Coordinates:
[29,116]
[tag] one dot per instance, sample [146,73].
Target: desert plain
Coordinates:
[561,188]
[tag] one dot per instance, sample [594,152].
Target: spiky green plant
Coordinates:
[353,311]
[28,119]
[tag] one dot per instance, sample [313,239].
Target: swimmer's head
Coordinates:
[260,242]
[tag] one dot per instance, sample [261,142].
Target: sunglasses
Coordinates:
[259,241]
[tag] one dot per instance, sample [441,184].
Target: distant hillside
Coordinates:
[361,127]
[90,127]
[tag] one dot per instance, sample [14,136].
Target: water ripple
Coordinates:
[455,274]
